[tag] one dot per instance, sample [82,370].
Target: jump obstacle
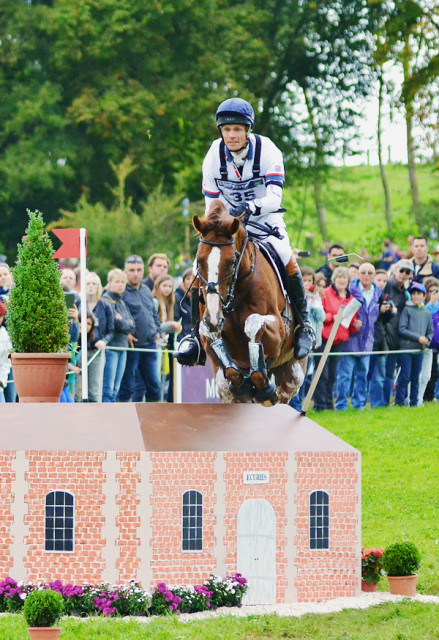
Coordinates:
[171,493]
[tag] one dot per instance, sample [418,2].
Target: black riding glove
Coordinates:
[243,207]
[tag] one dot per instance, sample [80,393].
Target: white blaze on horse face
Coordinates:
[254,324]
[213,299]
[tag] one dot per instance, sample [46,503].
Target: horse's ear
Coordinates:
[197,223]
[234,226]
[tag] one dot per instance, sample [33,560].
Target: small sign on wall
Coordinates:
[256,477]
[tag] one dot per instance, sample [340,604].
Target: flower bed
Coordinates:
[131,599]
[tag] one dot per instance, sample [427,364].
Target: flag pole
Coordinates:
[83,296]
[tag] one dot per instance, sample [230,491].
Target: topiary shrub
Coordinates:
[43,608]
[37,313]
[401,559]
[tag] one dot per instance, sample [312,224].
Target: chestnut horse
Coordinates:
[246,323]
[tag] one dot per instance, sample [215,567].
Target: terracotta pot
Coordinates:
[39,377]
[44,633]
[403,585]
[369,588]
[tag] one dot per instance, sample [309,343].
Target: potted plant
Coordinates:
[400,562]
[371,565]
[42,610]
[37,318]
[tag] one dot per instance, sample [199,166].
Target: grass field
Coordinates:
[400,500]
[354,202]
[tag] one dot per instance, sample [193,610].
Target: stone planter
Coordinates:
[44,633]
[368,588]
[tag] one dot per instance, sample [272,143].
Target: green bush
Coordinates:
[43,608]
[401,559]
[37,313]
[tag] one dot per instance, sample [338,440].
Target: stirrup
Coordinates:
[190,352]
[304,340]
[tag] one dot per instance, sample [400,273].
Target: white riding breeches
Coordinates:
[280,245]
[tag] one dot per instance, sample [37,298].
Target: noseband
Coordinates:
[211,287]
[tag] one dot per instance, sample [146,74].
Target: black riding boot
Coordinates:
[190,352]
[304,334]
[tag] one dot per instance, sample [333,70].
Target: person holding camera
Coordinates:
[245,171]
[396,295]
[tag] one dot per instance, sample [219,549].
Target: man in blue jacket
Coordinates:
[368,294]
[138,298]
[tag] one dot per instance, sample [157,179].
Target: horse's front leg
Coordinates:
[238,385]
[256,326]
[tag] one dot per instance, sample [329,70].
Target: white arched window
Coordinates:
[192,521]
[319,520]
[59,521]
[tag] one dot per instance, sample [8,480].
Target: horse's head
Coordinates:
[216,261]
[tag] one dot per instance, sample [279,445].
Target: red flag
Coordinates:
[70,247]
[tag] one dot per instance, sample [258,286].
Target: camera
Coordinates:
[304,254]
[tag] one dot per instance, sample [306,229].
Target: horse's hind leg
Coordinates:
[265,388]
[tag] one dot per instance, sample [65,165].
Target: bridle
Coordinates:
[211,287]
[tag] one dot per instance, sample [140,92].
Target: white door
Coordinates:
[256,550]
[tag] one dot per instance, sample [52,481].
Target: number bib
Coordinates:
[237,192]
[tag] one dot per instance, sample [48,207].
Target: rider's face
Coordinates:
[235,136]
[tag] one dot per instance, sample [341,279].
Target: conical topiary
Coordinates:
[37,313]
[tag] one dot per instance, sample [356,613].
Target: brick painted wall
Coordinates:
[129,518]
[81,474]
[325,574]
[174,473]
[6,478]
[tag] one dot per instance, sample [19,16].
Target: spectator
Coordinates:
[356,367]
[5,281]
[416,331]
[353,270]
[422,262]
[429,357]
[316,316]
[336,295]
[389,255]
[5,347]
[123,325]
[104,332]
[138,298]
[157,265]
[67,279]
[334,251]
[377,364]
[182,307]
[396,295]
[320,283]
[433,306]
[164,300]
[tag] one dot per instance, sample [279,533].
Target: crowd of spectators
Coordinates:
[385,351]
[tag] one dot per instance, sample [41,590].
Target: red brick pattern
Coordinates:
[129,518]
[325,574]
[7,476]
[173,474]
[81,474]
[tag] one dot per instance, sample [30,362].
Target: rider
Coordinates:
[246,172]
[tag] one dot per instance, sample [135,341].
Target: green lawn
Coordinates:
[400,480]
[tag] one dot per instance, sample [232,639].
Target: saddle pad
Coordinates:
[277,264]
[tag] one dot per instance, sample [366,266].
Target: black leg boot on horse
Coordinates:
[304,334]
[190,352]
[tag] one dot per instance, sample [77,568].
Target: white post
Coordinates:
[326,350]
[83,295]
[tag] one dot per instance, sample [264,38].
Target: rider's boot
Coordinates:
[190,352]
[304,334]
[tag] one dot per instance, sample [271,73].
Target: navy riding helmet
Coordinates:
[235,111]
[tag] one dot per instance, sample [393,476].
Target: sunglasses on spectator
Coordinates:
[407,271]
[134,259]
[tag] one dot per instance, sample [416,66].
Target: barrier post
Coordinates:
[326,350]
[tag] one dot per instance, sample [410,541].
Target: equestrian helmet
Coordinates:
[235,111]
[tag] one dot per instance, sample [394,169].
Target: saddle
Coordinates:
[279,268]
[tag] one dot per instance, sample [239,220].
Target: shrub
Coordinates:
[401,559]
[43,608]
[37,313]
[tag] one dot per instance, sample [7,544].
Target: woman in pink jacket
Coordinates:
[336,295]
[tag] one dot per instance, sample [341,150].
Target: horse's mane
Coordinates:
[216,217]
